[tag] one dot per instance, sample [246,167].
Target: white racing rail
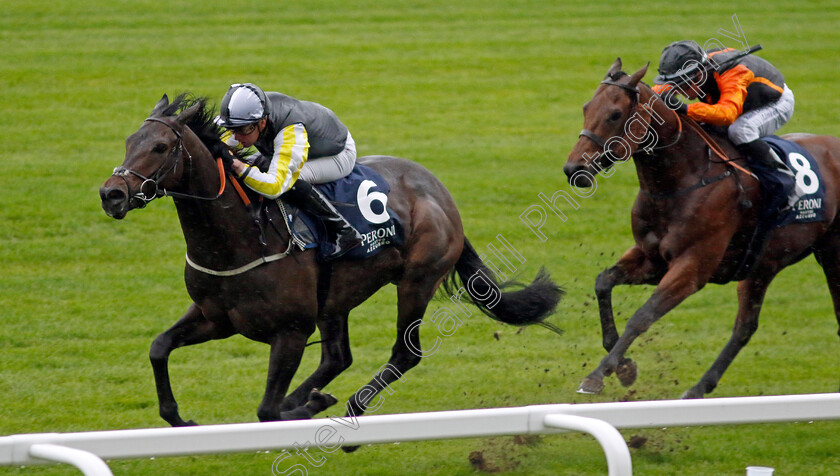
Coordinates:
[87,450]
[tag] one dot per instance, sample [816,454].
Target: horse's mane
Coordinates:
[616,75]
[202,123]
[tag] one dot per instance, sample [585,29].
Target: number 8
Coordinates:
[803,171]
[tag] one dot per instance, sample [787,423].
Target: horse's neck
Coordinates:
[213,223]
[218,232]
[679,157]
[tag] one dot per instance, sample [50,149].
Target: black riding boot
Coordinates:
[309,199]
[773,196]
[759,152]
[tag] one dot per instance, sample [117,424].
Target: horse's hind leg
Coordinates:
[191,329]
[633,267]
[750,298]
[413,296]
[406,352]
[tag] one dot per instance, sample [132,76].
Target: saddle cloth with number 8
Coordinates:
[809,189]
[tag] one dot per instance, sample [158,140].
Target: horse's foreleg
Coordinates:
[679,282]
[191,329]
[750,297]
[335,358]
[634,267]
[828,255]
[286,351]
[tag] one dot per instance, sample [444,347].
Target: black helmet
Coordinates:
[680,60]
[242,104]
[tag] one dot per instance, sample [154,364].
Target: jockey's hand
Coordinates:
[239,166]
[221,150]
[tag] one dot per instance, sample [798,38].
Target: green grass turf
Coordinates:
[486,94]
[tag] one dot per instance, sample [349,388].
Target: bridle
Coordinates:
[712,146]
[634,90]
[144,195]
[164,170]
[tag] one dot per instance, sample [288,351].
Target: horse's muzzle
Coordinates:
[578,175]
[115,200]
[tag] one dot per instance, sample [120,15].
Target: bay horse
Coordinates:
[280,302]
[691,220]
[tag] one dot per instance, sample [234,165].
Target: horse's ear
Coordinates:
[160,106]
[638,75]
[616,67]
[188,113]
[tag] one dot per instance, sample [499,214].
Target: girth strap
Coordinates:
[241,269]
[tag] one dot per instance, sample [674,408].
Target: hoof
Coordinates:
[626,372]
[349,449]
[319,401]
[591,386]
[185,423]
[692,394]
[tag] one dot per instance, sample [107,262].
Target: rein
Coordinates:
[715,147]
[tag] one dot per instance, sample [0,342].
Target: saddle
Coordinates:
[787,198]
[362,199]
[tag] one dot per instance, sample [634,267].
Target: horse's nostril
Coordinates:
[577,175]
[571,169]
[113,195]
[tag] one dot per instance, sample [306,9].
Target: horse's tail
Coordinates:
[530,304]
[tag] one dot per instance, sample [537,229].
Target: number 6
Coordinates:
[364,197]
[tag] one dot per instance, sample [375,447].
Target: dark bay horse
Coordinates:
[691,220]
[282,301]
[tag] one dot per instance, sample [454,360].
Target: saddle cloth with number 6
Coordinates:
[362,199]
[808,200]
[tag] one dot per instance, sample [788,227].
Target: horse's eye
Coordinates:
[160,148]
[615,116]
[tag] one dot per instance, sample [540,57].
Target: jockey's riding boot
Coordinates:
[309,199]
[759,152]
[775,196]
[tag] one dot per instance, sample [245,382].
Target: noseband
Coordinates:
[163,171]
[142,196]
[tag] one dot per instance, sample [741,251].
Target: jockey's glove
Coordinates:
[221,150]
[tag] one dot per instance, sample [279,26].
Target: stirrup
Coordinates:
[343,244]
